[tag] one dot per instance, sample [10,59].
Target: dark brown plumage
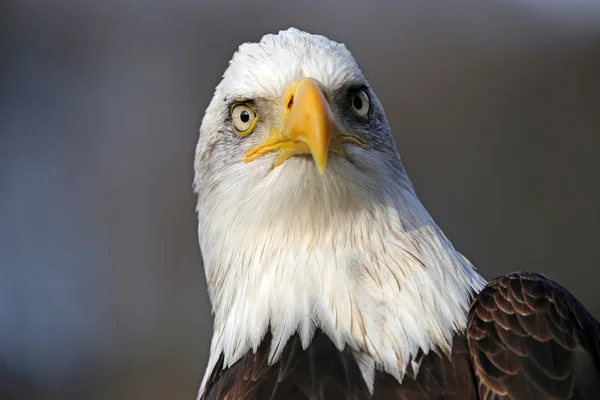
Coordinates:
[323,372]
[531,339]
[527,337]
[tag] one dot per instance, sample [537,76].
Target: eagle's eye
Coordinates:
[244,118]
[359,103]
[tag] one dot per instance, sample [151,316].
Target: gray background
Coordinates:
[495,107]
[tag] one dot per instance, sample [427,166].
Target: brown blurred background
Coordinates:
[495,107]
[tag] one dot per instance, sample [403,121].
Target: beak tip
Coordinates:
[321,163]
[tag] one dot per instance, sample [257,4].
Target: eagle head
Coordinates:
[306,218]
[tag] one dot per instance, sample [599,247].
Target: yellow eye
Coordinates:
[359,103]
[244,118]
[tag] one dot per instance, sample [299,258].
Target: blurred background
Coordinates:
[495,107]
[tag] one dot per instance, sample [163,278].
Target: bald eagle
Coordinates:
[328,278]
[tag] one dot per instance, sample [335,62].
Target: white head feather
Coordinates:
[352,252]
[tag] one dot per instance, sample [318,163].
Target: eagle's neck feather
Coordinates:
[373,272]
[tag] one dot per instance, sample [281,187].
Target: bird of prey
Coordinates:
[329,279]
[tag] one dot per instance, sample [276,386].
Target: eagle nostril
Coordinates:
[290,102]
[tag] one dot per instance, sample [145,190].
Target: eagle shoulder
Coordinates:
[532,339]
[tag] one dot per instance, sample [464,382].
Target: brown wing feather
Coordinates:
[531,339]
[323,372]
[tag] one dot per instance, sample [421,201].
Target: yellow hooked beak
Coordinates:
[308,119]
[308,127]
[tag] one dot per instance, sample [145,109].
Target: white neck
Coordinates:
[367,265]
